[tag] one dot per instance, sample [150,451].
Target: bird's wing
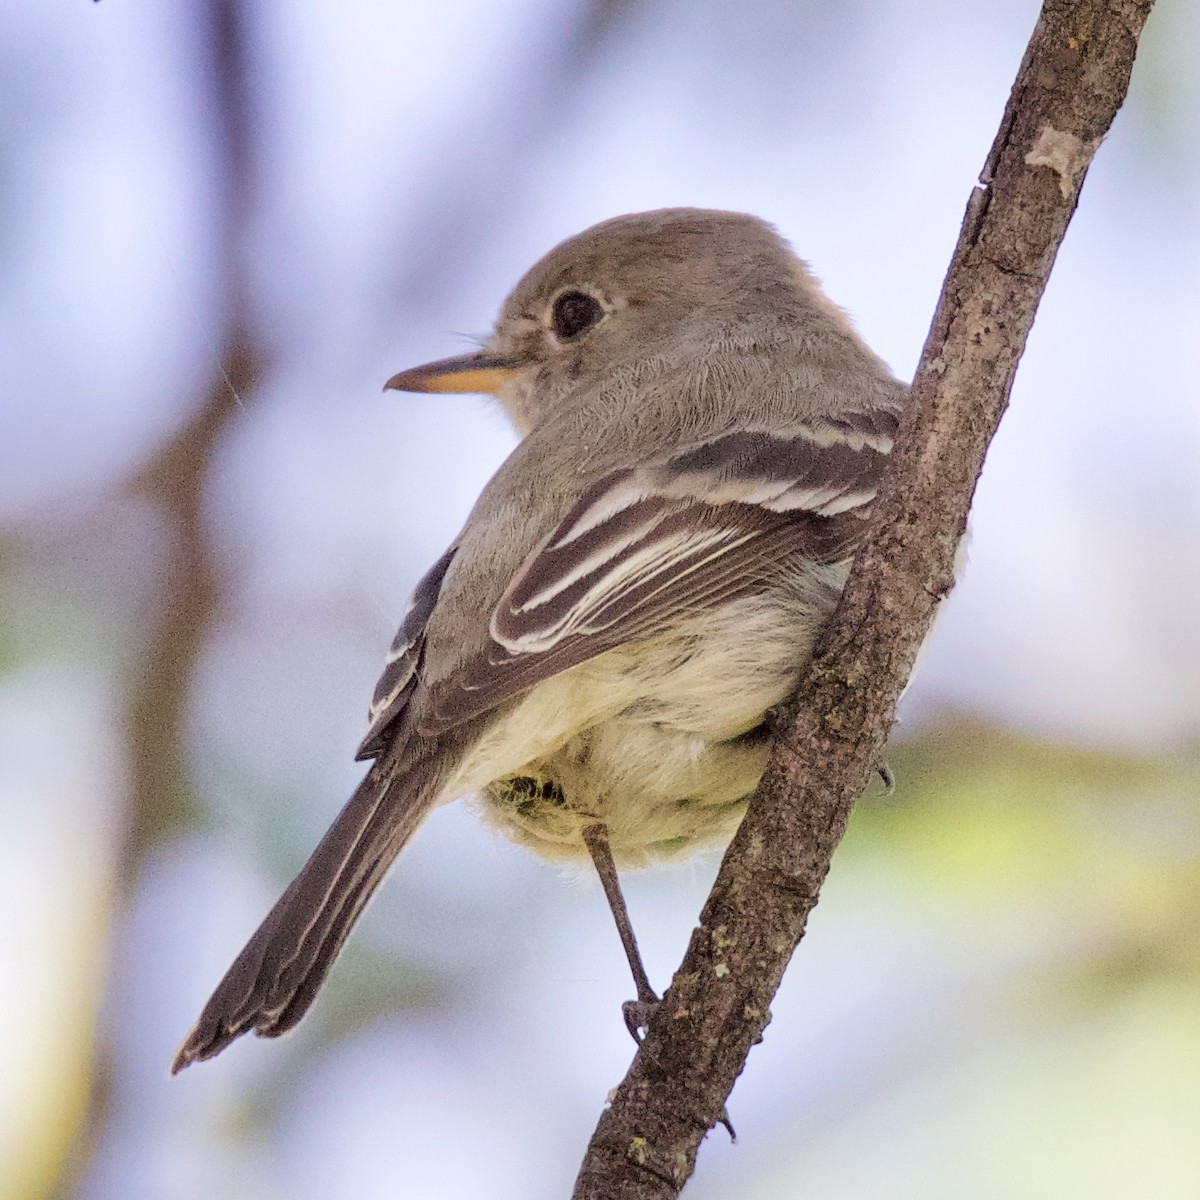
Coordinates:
[404,657]
[642,547]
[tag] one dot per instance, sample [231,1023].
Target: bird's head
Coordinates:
[656,287]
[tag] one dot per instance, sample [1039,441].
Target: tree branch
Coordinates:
[1072,80]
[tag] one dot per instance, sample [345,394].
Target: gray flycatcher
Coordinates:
[703,434]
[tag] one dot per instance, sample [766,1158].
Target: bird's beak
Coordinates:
[481,372]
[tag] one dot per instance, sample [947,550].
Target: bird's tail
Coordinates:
[273,981]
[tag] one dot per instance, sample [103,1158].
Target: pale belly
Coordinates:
[663,741]
[660,792]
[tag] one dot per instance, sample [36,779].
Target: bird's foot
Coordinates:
[638,1013]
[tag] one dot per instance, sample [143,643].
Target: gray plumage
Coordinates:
[703,436]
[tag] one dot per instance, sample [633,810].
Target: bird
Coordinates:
[597,655]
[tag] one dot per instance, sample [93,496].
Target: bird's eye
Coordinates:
[574,313]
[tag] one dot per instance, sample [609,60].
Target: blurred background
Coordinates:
[222,226]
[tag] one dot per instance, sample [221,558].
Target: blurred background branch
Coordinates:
[162,803]
[161,790]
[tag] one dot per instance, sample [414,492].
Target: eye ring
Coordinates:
[573,312]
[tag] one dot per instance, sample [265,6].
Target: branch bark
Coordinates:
[1071,82]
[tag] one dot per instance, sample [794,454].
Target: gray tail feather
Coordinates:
[274,979]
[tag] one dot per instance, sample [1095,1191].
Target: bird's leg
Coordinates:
[637,1012]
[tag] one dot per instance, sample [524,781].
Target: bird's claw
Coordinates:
[638,1014]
